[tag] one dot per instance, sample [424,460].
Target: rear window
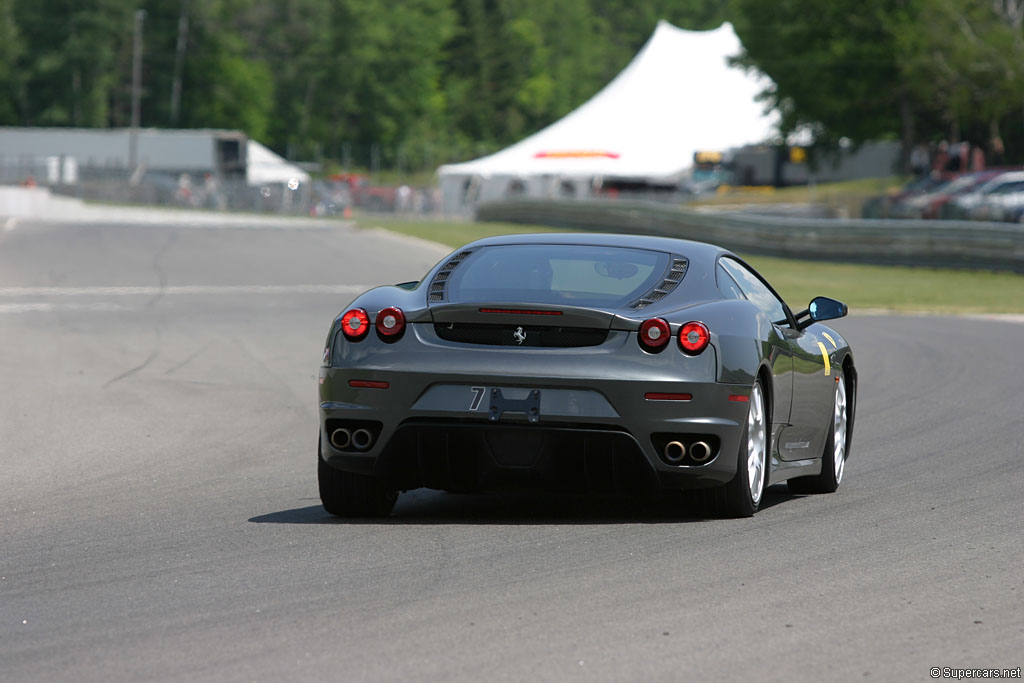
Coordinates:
[605,277]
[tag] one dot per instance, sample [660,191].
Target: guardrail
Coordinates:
[937,244]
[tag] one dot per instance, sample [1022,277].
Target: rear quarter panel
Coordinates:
[740,333]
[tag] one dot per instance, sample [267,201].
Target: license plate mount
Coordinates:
[529,406]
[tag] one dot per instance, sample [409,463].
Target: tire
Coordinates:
[742,496]
[345,494]
[833,458]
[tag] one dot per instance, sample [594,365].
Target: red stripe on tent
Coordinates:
[576,154]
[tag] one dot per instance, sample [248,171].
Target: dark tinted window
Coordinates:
[608,277]
[755,290]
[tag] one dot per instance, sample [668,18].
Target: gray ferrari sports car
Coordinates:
[598,363]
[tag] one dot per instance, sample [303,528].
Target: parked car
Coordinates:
[892,204]
[966,205]
[1000,203]
[932,208]
[913,203]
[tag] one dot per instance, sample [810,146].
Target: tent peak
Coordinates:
[679,94]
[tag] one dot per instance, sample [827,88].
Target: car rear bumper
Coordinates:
[424,430]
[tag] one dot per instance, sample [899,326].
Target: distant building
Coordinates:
[220,152]
[227,154]
[782,166]
[201,168]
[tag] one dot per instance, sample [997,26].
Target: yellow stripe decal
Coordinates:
[832,341]
[824,357]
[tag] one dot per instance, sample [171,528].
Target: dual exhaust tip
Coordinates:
[675,451]
[344,439]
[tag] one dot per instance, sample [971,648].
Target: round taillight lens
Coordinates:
[355,324]
[654,334]
[694,338]
[390,322]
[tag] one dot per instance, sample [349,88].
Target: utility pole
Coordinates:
[179,63]
[133,151]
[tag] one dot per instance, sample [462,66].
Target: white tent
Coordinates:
[678,95]
[266,168]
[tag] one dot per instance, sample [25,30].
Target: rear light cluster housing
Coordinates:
[390,324]
[694,338]
[655,335]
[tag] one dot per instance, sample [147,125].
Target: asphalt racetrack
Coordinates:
[159,517]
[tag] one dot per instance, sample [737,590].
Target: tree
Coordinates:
[76,60]
[964,62]
[11,49]
[227,83]
[920,70]
[417,82]
[295,39]
[833,65]
[380,77]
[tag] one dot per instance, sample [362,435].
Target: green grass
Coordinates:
[861,287]
[894,288]
[449,233]
[847,196]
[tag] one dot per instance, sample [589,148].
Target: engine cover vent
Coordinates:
[669,282]
[439,284]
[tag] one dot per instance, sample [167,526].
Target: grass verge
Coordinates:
[890,288]
[894,288]
[846,196]
[452,234]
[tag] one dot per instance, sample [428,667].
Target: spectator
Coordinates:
[977,158]
[997,151]
[919,160]
[954,161]
[404,197]
[184,193]
[941,158]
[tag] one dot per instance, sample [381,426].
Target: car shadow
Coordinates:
[424,506]
[776,495]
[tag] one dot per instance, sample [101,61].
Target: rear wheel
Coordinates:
[742,496]
[833,458]
[345,494]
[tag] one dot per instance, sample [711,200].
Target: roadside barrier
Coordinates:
[936,244]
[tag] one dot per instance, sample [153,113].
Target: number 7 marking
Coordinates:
[478,395]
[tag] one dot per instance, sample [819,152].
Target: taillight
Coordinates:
[694,338]
[654,334]
[390,322]
[355,324]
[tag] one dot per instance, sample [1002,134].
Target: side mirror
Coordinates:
[823,308]
[408,285]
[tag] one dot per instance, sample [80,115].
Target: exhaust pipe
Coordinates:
[341,438]
[700,451]
[361,439]
[675,451]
